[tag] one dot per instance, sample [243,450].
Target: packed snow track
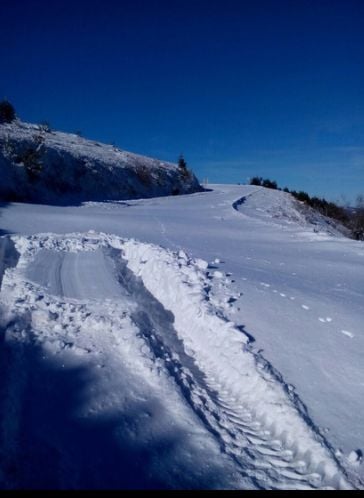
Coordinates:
[119,371]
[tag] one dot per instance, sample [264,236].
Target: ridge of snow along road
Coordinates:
[220,349]
[237,394]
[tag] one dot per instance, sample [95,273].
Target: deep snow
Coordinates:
[247,357]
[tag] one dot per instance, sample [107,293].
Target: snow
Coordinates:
[241,373]
[73,169]
[355,457]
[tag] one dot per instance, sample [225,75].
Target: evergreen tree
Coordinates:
[182,166]
[7,112]
[182,163]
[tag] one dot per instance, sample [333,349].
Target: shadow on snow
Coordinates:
[48,440]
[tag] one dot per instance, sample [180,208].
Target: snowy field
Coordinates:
[212,340]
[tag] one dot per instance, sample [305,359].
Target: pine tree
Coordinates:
[182,166]
[182,163]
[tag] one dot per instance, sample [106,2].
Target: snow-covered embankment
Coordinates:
[44,166]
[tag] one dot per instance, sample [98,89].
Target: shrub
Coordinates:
[303,197]
[30,158]
[256,180]
[358,225]
[143,174]
[269,184]
[7,112]
[45,127]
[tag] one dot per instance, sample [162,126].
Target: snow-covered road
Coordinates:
[146,366]
[85,275]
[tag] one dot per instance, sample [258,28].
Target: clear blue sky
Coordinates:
[241,87]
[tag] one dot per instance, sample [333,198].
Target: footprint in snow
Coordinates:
[355,457]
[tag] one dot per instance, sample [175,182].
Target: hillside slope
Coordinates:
[53,167]
[281,208]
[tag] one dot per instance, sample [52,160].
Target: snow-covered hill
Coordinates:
[39,165]
[281,208]
[205,341]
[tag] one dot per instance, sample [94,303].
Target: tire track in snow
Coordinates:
[64,325]
[260,456]
[238,406]
[214,345]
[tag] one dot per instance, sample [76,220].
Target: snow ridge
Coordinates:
[219,349]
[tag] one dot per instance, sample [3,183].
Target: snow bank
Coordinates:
[221,351]
[53,167]
[8,255]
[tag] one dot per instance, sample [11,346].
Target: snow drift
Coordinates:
[44,166]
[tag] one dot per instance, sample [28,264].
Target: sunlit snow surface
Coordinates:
[205,341]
